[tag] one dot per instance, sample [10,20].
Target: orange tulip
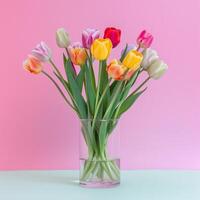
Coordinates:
[77,54]
[32,65]
[116,70]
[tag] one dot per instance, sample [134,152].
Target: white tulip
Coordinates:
[157,69]
[62,38]
[149,56]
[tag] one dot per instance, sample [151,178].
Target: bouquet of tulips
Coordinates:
[100,98]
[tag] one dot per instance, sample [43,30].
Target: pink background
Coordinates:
[38,131]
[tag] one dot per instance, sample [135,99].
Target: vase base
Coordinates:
[99,173]
[98,184]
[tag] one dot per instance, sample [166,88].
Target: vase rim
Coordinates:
[91,119]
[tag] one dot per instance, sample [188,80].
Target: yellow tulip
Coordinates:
[101,48]
[133,59]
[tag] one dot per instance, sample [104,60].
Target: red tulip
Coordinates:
[113,34]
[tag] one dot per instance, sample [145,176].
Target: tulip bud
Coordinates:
[149,56]
[32,65]
[116,70]
[113,34]
[77,54]
[101,48]
[157,69]
[42,52]
[62,38]
[133,59]
[145,39]
[88,36]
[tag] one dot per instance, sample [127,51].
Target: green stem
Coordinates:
[55,68]
[101,163]
[126,89]
[91,70]
[121,102]
[99,104]
[61,92]
[99,83]
[70,60]
[63,82]
[137,75]
[138,48]
[145,81]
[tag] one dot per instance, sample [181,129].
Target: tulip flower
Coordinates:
[32,65]
[77,54]
[88,36]
[62,38]
[116,70]
[101,48]
[157,69]
[42,52]
[133,60]
[113,34]
[149,56]
[145,39]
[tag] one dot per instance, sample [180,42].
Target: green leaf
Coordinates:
[80,77]
[60,79]
[104,125]
[99,108]
[130,84]
[91,71]
[75,90]
[112,86]
[114,99]
[104,83]
[129,102]
[124,53]
[103,133]
[73,72]
[89,90]
[67,88]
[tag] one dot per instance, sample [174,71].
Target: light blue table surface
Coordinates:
[135,185]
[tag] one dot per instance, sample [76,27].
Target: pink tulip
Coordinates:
[42,52]
[88,36]
[145,39]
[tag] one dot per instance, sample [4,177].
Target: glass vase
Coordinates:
[99,153]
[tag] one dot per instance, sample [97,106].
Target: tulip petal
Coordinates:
[157,69]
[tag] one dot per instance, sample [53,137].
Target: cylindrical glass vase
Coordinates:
[99,153]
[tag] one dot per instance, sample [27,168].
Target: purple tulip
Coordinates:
[42,52]
[88,36]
